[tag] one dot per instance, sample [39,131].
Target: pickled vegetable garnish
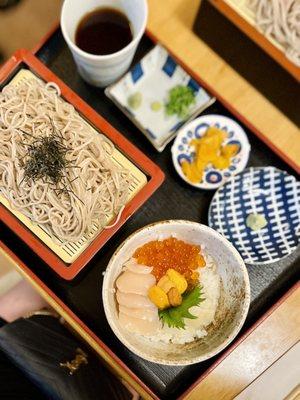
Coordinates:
[209,150]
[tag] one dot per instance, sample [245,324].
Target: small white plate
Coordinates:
[153,77]
[212,177]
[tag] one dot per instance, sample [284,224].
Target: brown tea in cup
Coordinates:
[103,31]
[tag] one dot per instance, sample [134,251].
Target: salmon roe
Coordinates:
[171,253]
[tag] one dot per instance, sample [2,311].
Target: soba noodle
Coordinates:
[281,20]
[96,186]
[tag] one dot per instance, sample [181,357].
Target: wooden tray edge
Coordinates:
[257,37]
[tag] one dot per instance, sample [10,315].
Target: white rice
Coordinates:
[209,279]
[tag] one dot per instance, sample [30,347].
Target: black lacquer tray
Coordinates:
[174,199]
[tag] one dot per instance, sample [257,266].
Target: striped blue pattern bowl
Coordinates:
[268,191]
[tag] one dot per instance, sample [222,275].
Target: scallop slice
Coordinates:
[133,266]
[137,325]
[132,300]
[128,282]
[140,313]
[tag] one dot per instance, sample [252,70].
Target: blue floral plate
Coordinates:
[212,177]
[266,191]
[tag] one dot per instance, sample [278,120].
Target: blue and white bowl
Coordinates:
[212,177]
[268,191]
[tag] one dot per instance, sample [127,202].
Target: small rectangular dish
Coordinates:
[149,82]
[68,258]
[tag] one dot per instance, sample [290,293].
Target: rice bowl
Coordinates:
[217,319]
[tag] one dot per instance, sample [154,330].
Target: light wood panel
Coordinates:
[23,24]
[171,21]
[269,341]
[9,277]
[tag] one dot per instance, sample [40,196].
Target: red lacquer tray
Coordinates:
[25,60]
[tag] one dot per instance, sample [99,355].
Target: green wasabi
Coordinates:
[256,221]
[156,106]
[135,100]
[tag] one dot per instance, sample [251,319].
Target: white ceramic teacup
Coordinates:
[103,70]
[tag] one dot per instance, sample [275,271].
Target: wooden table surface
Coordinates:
[171,22]
[272,338]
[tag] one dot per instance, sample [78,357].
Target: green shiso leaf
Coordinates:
[174,316]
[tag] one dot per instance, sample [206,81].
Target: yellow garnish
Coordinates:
[209,150]
[168,291]
[221,162]
[229,150]
[191,171]
[165,283]
[219,133]
[158,297]
[178,280]
[174,297]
